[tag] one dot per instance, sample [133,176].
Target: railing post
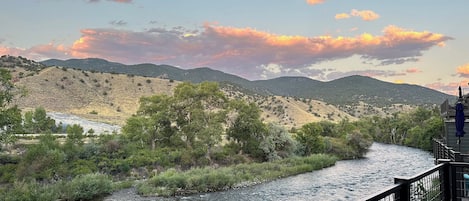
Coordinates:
[453,185]
[404,193]
[457,157]
[445,180]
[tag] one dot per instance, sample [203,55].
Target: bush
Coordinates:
[7,173]
[42,163]
[23,191]
[87,187]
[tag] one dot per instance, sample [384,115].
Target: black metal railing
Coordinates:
[442,151]
[448,180]
[428,185]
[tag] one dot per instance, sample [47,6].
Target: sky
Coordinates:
[423,42]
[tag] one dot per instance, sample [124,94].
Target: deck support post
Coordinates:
[404,192]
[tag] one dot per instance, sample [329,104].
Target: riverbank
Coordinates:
[346,180]
[209,179]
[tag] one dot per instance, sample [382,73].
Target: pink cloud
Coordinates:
[463,70]
[413,70]
[367,15]
[448,88]
[38,52]
[369,73]
[237,50]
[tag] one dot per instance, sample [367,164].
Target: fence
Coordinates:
[448,180]
[442,151]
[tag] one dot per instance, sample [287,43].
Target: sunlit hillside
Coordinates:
[112,98]
[97,96]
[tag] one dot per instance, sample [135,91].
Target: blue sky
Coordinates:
[424,42]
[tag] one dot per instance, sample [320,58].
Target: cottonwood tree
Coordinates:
[247,129]
[152,123]
[200,114]
[10,116]
[192,118]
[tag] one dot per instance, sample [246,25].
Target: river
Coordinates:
[347,180]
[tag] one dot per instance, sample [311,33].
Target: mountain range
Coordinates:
[109,92]
[347,90]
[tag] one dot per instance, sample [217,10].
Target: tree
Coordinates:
[75,134]
[200,113]
[359,142]
[152,123]
[28,122]
[192,117]
[247,129]
[416,128]
[42,122]
[10,116]
[309,137]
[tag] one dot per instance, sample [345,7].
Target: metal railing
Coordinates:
[428,185]
[442,151]
[448,180]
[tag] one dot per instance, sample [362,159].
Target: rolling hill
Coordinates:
[344,91]
[112,97]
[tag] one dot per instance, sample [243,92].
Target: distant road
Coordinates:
[98,127]
[37,135]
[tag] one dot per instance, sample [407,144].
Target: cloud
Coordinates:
[118,23]
[342,16]
[368,73]
[243,51]
[398,61]
[463,70]
[366,15]
[413,70]
[315,2]
[448,88]
[39,52]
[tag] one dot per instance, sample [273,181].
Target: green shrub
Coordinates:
[42,164]
[87,187]
[7,173]
[23,191]
[80,167]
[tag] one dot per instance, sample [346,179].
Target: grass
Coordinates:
[208,179]
[84,187]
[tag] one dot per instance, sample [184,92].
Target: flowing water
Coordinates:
[347,180]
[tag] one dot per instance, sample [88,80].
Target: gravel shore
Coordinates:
[130,194]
